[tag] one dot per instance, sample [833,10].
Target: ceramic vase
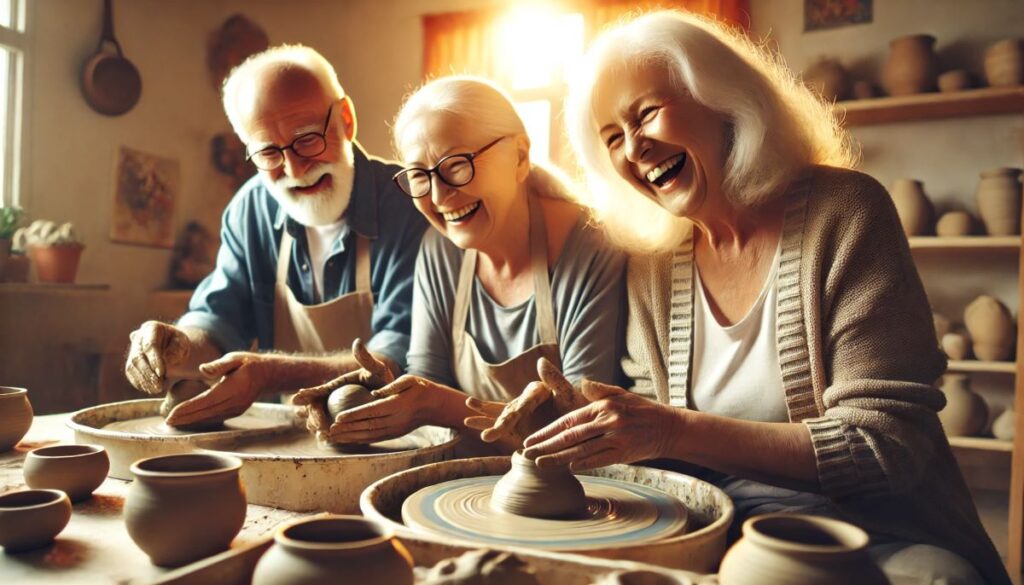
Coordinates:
[538,492]
[991,328]
[1005,425]
[1004,63]
[954,224]
[57,263]
[999,200]
[955,80]
[911,67]
[913,206]
[15,416]
[335,549]
[76,470]
[31,519]
[828,78]
[181,508]
[965,413]
[798,549]
[347,397]
[954,345]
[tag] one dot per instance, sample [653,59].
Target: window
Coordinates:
[13,44]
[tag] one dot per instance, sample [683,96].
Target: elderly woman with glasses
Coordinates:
[512,271]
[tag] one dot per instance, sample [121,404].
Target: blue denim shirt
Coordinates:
[235,303]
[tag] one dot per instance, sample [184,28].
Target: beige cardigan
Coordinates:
[858,359]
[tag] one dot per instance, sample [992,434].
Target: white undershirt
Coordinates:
[736,370]
[320,239]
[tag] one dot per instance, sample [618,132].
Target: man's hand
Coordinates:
[403,406]
[155,349]
[243,376]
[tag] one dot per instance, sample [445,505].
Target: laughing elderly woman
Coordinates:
[778,332]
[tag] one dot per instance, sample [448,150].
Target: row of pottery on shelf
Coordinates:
[999,203]
[966,413]
[989,331]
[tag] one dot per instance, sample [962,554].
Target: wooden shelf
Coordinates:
[986,101]
[980,366]
[1000,243]
[51,287]
[983,443]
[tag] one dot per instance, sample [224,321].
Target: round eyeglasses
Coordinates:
[305,145]
[455,170]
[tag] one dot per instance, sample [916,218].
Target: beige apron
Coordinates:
[329,326]
[506,380]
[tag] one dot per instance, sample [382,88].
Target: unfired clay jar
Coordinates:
[528,490]
[999,195]
[334,549]
[954,224]
[32,518]
[1005,425]
[1004,63]
[864,90]
[954,345]
[798,549]
[481,567]
[913,206]
[15,416]
[347,397]
[181,508]
[641,577]
[74,469]
[828,78]
[955,80]
[911,67]
[991,328]
[965,412]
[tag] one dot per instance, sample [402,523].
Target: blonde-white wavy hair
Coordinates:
[776,125]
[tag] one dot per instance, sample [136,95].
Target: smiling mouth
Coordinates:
[669,169]
[321,182]
[461,214]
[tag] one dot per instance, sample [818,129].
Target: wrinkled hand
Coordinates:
[402,406]
[243,377]
[616,427]
[155,348]
[372,374]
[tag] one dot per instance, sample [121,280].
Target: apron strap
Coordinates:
[460,312]
[541,279]
[284,257]
[362,263]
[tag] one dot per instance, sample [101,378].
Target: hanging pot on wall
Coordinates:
[110,83]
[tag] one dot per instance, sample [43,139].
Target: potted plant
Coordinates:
[10,217]
[54,250]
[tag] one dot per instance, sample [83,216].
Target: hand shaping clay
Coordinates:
[528,490]
[348,397]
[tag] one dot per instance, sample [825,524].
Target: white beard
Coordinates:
[323,208]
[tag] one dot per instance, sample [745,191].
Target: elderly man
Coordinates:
[316,251]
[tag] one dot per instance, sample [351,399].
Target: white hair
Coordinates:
[775,125]
[289,55]
[492,115]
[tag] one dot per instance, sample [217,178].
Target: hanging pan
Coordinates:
[110,83]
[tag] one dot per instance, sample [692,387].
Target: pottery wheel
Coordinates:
[303,444]
[617,513]
[155,426]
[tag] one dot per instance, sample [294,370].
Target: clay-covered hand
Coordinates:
[401,407]
[372,373]
[616,427]
[155,349]
[241,377]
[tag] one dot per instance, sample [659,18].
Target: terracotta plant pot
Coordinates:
[954,224]
[5,253]
[74,469]
[15,416]
[334,549]
[828,78]
[31,519]
[955,80]
[991,327]
[965,412]
[528,490]
[798,549]
[999,200]
[56,263]
[913,206]
[911,67]
[1005,425]
[181,508]
[1004,63]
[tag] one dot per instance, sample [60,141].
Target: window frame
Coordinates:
[18,44]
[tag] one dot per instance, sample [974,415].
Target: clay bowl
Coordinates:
[75,469]
[15,416]
[32,518]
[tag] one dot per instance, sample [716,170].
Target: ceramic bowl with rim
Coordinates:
[75,469]
[15,416]
[32,518]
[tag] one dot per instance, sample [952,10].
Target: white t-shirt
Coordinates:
[736,370]
[320,239]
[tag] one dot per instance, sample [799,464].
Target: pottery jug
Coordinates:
[181,508]
[991,328]
[911,67]
[999,195]
[954,224]
[32,518]
[335,549]
[913,206]
[799,549]
[1004,63]
[15,416]
[1005,425]
[828,78]
[74,469]
[528,490]
[965,412]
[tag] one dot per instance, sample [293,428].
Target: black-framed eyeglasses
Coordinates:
[305,145]
[456,170]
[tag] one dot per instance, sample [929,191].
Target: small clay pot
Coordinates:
[954,80]
[865,90]
[911,67]
[954,224]
[1005,425]
[999,201]
[828,78]
[913,206]
[348,397]
[991,327]
[965,413]
[799,549]
[182,508]
[1004,63]
[538,492]
[74,469]
[642,577]
[334,549]
[955,346]
[32,518]
[15,416]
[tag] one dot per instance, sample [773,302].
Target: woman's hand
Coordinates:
[616,427]
[403,406]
